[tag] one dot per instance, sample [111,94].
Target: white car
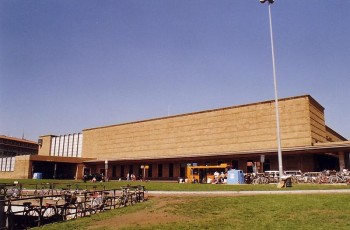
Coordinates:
[296,173]
[272,173]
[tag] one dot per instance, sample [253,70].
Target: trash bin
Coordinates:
[235,176]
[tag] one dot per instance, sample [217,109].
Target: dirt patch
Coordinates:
[160,212]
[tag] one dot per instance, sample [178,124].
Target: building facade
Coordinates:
[242,136]
[13,154]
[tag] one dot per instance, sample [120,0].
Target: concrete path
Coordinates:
[244,193]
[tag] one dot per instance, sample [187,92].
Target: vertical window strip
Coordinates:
[75,138]
[3,164]
[68,145]
[72,148]
[70,142]
[9,163]
[57,146]
[64,145]
[7,168]
[76,155]
[13,164]
[66,141]
[80,146]
[60,152]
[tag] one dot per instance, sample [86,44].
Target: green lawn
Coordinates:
[317,211]
[170,186]
[240,212]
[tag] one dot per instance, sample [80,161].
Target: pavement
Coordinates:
[245,193]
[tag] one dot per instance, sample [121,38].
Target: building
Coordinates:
[243,136]
[10,148]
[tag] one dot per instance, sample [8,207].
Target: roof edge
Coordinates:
[206,111]
[335,133]
[18,139]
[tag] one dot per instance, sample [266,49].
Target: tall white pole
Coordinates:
[280,167]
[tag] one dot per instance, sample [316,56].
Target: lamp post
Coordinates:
[106,170]
[280,167]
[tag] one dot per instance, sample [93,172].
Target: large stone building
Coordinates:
[239,135]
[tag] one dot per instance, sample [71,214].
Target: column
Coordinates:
[341,161]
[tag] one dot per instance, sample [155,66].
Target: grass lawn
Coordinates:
[317,211]
[237,212]
[170,186]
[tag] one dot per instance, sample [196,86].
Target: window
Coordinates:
[114,171]
[131,169]
[266,165]
[183,170]
[235,164]
[160,170]
[171,170]
[250,166]
[7,164]
[122,168]
[150,171]
[87,171]
[67,145]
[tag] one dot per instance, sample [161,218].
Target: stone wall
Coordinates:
[44,149]
[232,129]
[22,169]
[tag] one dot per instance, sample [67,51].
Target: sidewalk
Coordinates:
[244,193]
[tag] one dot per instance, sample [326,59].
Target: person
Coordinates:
[216,175]
[93,179]
[222,175]
[85,178]
[345,172]
[128,177]
[209,180]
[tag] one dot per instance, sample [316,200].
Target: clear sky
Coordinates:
[69,65]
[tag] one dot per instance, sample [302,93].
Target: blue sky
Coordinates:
[70,65]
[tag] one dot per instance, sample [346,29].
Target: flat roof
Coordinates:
[18,139]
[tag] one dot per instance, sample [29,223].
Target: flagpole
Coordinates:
[279,146]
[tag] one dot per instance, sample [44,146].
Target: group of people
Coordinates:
[94,177]
[130,176]
[219,178]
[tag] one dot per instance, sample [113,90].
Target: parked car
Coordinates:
[296,173]
[273,176]
[272,173]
